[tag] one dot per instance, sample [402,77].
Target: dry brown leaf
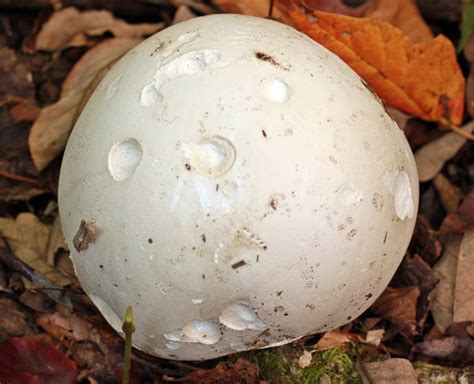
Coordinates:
[14,320]
[464,291]
[402,13]
[469,54]
[398,305]
[305,359]
[337,338]
[70,27]
[55,241]
[183,13]
[449,194]
[65,324]
[445,270]
[16,80]
[431,157]
[390,371]
[248,7]
[50,131]
[28,239]
[374,337]
[242,371]
[421,79]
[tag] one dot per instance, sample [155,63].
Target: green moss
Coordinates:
[280,366]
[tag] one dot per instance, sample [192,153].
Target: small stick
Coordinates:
[270,10]
[41,282]
[456,129]
[12,176]
[128,327]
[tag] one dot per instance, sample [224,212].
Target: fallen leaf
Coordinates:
[15,320]
[398,305]
[248,7]
[28,238]
[337,338]
[305,359]
[423,79]
[445,270]
[24,111]
[431,157]
[55,241]
[183,13]
[37,301]
[460,350]
[466,210]
[402,13]
[464,291]
[460,329]
[449,194]
[36,362]
[424,241]
[414,271]
[50,131]
[16,80]
[65,324]
[70,27]
[469,54]
[242,371]
[389,371]
[18,175]
[374,337]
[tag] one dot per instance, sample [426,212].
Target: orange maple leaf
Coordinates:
[422,79]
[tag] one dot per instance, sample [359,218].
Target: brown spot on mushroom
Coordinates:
[385,237]
[273,204]
[368,296]
[239,264]
[150,241]
[351,234]
[377,201]
[269,59]
[203,237]
[188,167]
[264,133]
[86,234]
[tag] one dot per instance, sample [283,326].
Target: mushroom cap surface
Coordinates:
[238,185]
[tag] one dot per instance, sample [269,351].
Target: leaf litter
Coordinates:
[425,315]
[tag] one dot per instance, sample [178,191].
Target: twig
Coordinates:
[54,291]
[270,10]
[12,176]
[456,129]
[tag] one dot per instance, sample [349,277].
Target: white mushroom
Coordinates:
[239,188]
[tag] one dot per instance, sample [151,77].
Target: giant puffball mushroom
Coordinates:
[238,185]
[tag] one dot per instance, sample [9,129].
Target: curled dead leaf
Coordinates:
[50,131]
[431,157]
[445,270]
[464,291]
[398,305]
[70,27]
[423,79]
[28,238]
[337,338]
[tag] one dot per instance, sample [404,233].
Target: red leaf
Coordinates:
[30,361]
